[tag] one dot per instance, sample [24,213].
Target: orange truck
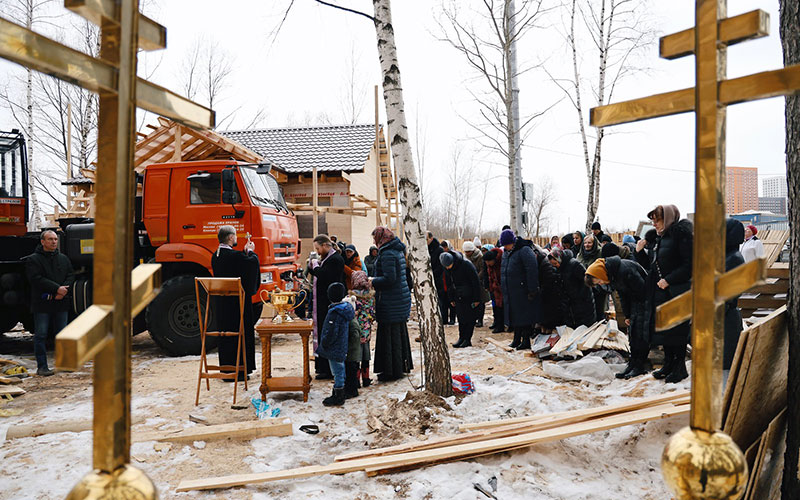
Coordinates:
[179,208]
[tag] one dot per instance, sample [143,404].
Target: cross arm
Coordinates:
[35,51]
[82,339]
[779,82]
[729,285]
[152,36]
[747,26]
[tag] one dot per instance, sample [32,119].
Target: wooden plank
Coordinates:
[767,476]
[760,388]
[486,434]
[636,404]
[10,380]
[499,344]
[253,429]
[11,391]
[766,302]
[421,458]
[733,374]
[779,270]
[753,458]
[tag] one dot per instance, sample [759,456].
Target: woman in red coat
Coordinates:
[493,258]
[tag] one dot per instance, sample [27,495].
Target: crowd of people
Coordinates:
[570,282]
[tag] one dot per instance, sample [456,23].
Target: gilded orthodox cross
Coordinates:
[700,461]
[103,331]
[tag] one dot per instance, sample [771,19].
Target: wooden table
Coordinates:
[266,329]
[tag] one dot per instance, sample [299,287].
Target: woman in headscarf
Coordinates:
[669,275]
[577,242]
[392,307]
[590,252]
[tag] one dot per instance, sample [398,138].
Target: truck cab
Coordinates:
[182,207]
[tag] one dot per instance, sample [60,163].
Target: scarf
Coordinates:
[382,235]
[671,216]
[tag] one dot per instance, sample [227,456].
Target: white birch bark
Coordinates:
[437,358]
[34,223]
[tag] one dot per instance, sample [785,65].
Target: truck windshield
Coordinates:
[11,167]
[263,189]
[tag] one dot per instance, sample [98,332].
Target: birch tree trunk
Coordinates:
[790,38]
[35,210]
[437,358]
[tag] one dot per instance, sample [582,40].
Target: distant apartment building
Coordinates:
[774,204]
[741,189]
[774,187]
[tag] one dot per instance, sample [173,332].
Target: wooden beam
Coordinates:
[84,337]
[455,452]
[780,82]
[35,51]
[152,36]
[747,26]
[253,429]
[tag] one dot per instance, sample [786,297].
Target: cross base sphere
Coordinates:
[125,483]
[699,464]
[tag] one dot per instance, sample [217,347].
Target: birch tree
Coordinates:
[206,70]
[614,32]
[488,48]
[790,38]
[436,368]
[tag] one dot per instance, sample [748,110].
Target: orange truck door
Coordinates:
[198,211]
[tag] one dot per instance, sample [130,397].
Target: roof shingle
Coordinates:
[341,148]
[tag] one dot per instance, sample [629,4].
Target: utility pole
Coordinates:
[516,189]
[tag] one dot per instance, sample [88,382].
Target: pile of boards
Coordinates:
[754,404]
[574,344]
[474,440]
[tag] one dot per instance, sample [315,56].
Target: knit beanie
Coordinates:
[596,225]
[446,258]
[336,292]
[360,280]
[628,239]
[753,229]
[490,256]
[598,270]
[477,242]
[609,249]
[469,246]
[507,237]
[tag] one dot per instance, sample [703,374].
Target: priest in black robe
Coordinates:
[229,263]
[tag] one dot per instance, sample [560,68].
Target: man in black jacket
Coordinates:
[463,292]
[229,263]
[435,250]
[326,270]
[50,275]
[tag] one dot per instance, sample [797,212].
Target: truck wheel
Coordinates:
[8,319]
[172,318]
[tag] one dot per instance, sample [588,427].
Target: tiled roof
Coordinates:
[77,180]
[342,148]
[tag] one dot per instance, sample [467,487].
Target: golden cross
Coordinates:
[692,458]
[103,331]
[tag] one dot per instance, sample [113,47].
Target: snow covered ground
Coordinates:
[621,463]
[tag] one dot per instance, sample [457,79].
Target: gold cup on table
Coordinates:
[283,302]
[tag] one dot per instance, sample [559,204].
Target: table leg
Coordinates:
[266,364]
[306,375]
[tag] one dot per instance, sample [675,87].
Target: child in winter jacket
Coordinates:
[333,340]
[365,316]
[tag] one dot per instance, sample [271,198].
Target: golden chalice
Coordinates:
[284,302]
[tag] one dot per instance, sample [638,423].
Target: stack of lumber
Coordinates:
[574,344]
[476,440]
[755,401]
[773,241]
[761,300]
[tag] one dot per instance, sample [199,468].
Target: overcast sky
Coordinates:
[301,75]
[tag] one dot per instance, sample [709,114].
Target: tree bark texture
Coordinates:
[35,211]
[437,358]
[790,39]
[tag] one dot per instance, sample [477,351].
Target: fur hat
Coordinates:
[446,258]
[336,292]
[469,246]
[507,237]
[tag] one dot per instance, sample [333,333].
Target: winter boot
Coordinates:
[637,367]
[678,372]
[351,380]
[624,373]
[336,398]
[526,342]
[494,318]
[669,364]
[365,380]
[517,340]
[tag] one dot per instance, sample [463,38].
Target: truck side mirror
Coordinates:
[228,187]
